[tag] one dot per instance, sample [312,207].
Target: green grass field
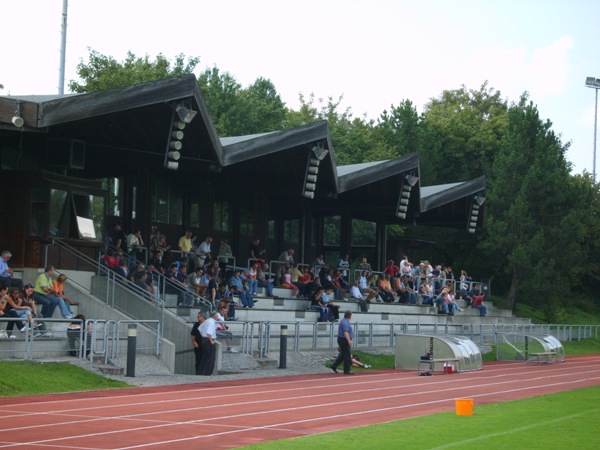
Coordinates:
[567,420]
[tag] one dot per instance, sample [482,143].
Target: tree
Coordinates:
[354,139]
[531,211]
[401,128]
[462,130]
[104,72]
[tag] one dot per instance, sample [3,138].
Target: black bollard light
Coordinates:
[131,344]
[283,347]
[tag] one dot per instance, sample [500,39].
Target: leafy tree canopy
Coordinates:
[104,72]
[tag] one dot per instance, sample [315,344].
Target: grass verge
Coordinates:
[33,378]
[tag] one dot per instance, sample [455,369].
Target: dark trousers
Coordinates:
[207,361]
[198,356]
[10,325]
[344,355]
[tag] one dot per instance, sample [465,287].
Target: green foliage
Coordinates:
[462,131]
[102,72]
[237,111]
[45,378]
[355,140]
[530,209]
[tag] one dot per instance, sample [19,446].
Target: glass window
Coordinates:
[221,216]
[331,230]
[58,213]
[167,204]
[38,216]
[363,233]
[195,215]
[246,221]
[291,231]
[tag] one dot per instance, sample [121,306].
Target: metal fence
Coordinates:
[311,336]
[96,340]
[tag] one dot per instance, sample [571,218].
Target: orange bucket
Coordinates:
[464,406]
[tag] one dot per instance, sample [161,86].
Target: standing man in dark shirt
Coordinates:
[118,237]
[345,337]
[197,341]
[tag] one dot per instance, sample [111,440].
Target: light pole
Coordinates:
[594,83]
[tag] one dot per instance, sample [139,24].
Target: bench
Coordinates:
[442,361]
[542,357]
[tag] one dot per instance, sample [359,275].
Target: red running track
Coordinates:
[230,414]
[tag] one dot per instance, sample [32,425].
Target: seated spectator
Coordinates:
[317,304]
[59,289]
[286,283]
[263,279]
[43,294]
[236,285]
[475,291]
[110,259]
[123,270]
[385,289]
[365,289]
[251,276]
[6,273]
[425,294]
[334,281]
[480,305]
[452,305]
[27,299]
[75,338]
[196,283]
[295,276]
[399,287]
[13,305]
[355,294]
[156,266]
[411,291]
[223,330]
[134,243]
[140,280]
[327,299]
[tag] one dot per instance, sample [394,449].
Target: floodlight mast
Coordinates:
[594,83]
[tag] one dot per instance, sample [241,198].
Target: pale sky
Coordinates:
[375,53]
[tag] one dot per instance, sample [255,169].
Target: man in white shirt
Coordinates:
[222,330]
[208,331]
[204,252]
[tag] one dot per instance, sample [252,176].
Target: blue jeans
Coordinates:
[252,286]
[324,314]
[482,310]
[268,286]
[49,304]
[246,300]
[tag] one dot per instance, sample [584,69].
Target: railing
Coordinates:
[162,287]
[312,336]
